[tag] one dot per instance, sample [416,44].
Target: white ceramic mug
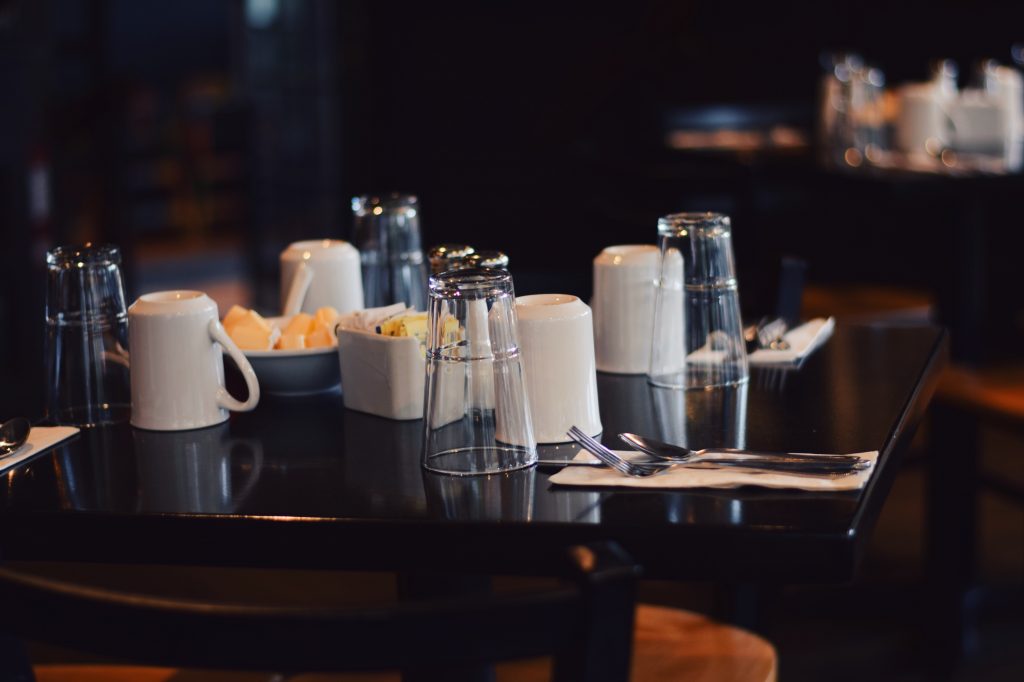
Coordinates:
[176,369]
[624,278]
[556,339]
[318,273]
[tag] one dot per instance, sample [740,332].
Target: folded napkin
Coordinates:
[40,439]
[367,320]
[688,477]
[802,340]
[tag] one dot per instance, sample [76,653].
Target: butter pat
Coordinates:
[301,325]
[291,341]
[320,338]
[235,314]
[248,329]
[406,325]
[327,317]
[255,320]
[250,337]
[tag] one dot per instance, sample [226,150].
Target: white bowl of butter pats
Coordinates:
[292,355]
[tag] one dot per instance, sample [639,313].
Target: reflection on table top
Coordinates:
[304,482]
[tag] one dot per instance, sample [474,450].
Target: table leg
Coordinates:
[951,533]
[422,586]
[741,604]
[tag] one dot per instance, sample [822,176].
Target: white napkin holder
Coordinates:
[382,375]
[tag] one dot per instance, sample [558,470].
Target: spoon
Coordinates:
[657,464]
[675,453]
[13,434]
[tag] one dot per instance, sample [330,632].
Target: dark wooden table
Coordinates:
[306,483]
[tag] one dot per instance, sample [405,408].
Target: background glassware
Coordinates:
[86,336]
[697,341]
[851,116]
[387,234]
[476,415]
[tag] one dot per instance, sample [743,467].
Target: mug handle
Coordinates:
[301,280]
[224,399]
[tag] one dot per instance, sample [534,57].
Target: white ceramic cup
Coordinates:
[176,369]
[981,123]
[924,124]
[318,273]
[556,340]
[624,279]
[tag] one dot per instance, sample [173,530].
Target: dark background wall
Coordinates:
[204,136]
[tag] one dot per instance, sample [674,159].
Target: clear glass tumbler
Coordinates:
[476,413]
[86,336]
[387,234]
[697,341]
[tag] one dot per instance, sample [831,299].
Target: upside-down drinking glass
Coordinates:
[86,336]
[476,413]
[697,341]
[387,234]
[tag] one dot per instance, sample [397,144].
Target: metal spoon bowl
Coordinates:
[13,434]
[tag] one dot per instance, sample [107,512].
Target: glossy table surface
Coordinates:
[307,483]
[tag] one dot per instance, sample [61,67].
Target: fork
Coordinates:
[623,466]
[643,469]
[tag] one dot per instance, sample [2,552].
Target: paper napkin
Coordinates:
[688,477]
[802,340]
[40,439]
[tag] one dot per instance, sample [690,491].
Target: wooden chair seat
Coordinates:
[992,393]
[669,644]
[132,673]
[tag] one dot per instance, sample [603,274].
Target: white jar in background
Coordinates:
[318,273]
[623,303]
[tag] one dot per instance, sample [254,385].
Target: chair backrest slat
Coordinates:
[585,623]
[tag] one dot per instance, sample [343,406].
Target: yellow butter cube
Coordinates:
[291,341]
[253,320]
[301,324]
[320,338]
[235,314]
[327,316]
[250,336]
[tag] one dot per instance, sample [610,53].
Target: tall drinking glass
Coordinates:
[476,415]
[387,234]
[86,336]
[697,341]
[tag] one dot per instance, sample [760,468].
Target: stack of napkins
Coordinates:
[40,439]
[369,319]
[690,477]
[802,340]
